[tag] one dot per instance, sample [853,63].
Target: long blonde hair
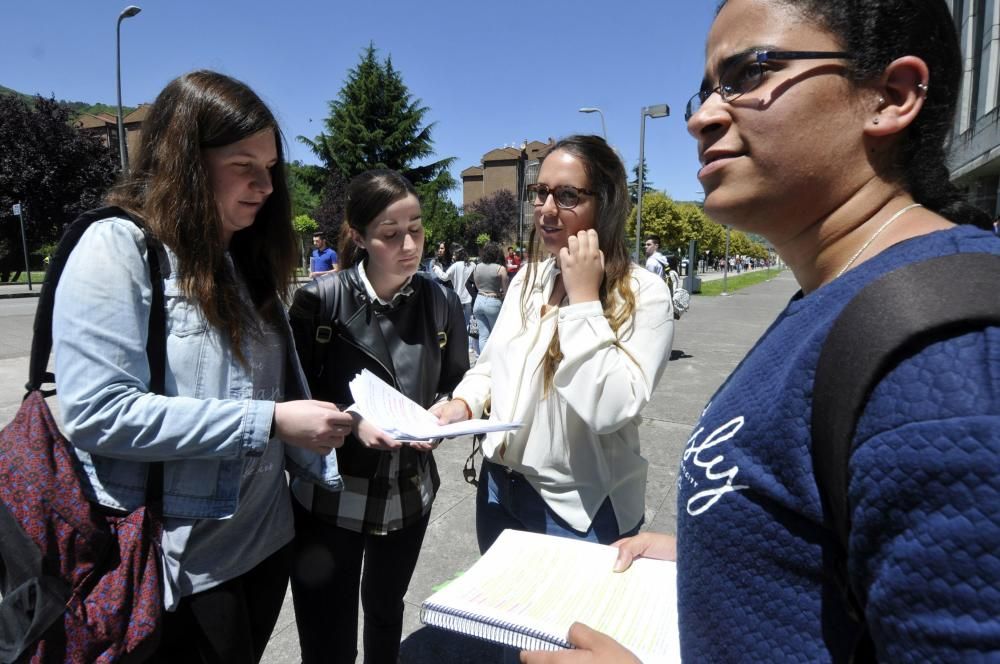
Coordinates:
[606,177]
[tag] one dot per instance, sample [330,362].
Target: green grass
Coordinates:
[734,282]
[36,278]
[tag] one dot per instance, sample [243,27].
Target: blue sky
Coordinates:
[492,73]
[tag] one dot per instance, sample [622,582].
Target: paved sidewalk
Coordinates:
[8,291]
[708,343]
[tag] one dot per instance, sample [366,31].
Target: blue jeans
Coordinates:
[486,310]
[505,499]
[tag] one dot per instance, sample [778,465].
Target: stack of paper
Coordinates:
[404,419]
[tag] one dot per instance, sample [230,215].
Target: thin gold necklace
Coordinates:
[875,235]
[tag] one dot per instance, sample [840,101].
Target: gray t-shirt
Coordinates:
[202,553]
[487,278]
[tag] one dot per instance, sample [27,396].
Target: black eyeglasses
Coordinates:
[566,196]
[745,72]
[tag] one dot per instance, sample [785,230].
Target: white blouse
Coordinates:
[579,444]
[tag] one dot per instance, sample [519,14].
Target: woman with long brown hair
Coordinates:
[578,348]
[209,185]
[383,316]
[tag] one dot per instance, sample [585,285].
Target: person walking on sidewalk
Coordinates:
[580,344]
[209,184]
[322,259]
[409,331]
[490,278]
[655,261]
[822,126]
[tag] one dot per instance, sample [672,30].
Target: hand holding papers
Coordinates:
[404,419]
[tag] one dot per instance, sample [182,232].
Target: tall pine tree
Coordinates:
[376,123]
[633,185]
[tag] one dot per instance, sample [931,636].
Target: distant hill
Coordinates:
[77,107]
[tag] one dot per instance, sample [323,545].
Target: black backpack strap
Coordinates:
[889,320]
[156,351]
[326,286]
[156,342]
[439,303]
[41,342]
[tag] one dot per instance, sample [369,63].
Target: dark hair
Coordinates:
[169,188]
[491,254]
[446,259]
[606,177]
[319,234]
[654,238]
[458,253]
[367,195]
[876,32]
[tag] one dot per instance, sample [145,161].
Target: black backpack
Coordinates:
[897,316]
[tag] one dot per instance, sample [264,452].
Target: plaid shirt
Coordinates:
[398,496]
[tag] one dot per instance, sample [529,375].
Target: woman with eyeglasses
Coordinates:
[578,348]
[822,125]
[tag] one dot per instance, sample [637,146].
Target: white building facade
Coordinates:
[974,161]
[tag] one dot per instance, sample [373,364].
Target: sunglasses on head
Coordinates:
[566,196]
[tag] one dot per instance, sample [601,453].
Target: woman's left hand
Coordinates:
[581,263]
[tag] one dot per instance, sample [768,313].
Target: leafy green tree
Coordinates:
[663,218]
[305,186]
[51,167]
[304,224]
[441,217]
[330,213]
[376,123]
[677,224]
[495,215]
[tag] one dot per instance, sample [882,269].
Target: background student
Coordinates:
[323,259]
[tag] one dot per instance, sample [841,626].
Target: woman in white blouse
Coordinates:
[579,346]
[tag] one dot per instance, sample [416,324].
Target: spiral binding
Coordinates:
[490,629]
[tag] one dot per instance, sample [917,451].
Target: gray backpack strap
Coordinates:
[890,320]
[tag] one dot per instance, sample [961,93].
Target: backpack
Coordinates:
[897,315]
[79,583]
[679,295]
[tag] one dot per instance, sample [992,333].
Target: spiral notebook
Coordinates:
[528,589]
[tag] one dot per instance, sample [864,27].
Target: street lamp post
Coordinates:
[128,12]
[725,266]
[658,111]
[591,109]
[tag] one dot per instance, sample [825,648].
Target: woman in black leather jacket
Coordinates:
[377,313]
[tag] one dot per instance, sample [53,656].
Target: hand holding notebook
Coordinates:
[528,589]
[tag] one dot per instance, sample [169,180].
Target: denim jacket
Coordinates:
[204,425]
